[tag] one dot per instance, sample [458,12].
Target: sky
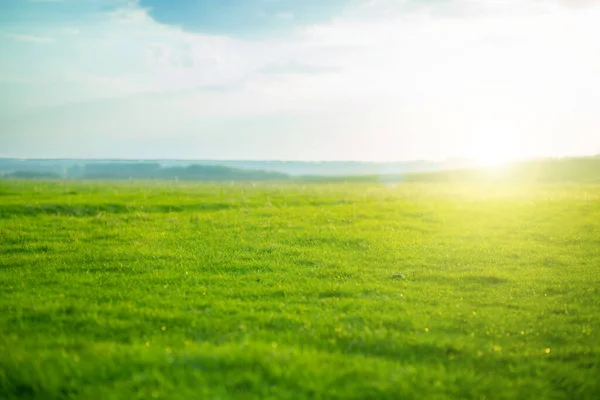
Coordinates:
[366,80]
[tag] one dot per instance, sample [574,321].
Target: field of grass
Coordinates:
[143,290]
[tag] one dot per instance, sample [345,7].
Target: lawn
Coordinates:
[136,290]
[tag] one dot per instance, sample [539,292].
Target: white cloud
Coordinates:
[129,14]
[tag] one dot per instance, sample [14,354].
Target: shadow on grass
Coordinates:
[26,250]
[91,210]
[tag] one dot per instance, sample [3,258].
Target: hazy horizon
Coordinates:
[274,160]
[346,80]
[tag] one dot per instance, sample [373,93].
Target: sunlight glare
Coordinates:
[494,151]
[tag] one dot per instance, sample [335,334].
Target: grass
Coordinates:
[581,169]
[132,290]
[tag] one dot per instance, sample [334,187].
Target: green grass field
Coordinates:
[132,290]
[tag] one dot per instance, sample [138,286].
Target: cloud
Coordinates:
[129,14]
[579,3]
[298,68]
[375,55]
[29,38]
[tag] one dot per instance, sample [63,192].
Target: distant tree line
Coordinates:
[141,171]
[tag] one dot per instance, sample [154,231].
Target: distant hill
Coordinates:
[73,168]
[33,175]
[108,170]
[459,170]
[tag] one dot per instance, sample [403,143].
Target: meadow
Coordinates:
[137,290]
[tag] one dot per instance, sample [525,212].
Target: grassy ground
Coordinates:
[171,290]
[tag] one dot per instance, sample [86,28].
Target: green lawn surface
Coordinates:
[137,290]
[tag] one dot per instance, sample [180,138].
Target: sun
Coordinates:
[493,158]
[494,152]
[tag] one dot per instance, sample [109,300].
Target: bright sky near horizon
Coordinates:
[299,80]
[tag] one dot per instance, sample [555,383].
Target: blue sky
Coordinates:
[243,18]
[308,80]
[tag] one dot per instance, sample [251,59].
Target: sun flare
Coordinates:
[494,152]
[493,159]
